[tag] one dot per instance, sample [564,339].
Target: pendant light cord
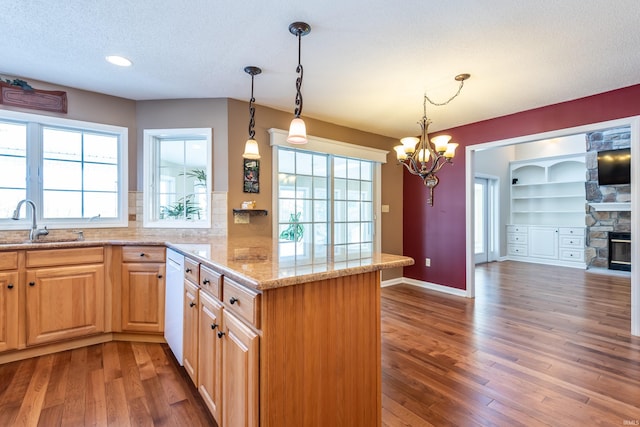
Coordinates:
[252,113]
[298,110]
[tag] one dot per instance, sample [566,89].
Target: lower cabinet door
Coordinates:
[210,354]
[543,242]
[8,311]
[64,302]
[190,336]
[143,297]
[240,376]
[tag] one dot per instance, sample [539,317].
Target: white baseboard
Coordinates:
[391,282]
[425,285]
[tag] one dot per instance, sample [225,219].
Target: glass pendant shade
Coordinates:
[409,144]
[451,150]
[297,132]
[441,142]
[423,155]
[400,153]
[251,150]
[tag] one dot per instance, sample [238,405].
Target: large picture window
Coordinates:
[74,172]
[326,200]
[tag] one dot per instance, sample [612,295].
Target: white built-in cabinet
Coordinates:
[548,210]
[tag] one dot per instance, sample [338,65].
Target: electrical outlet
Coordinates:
[427,262]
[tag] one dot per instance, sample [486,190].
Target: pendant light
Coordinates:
[298,130]
[251,150]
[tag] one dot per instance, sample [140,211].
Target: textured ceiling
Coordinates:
[366,63]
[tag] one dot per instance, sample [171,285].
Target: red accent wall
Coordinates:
[438,232]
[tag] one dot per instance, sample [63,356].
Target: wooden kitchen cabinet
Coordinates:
[240,372]
[143,297]
[190,337]
[210,354]
[64,302]
[142,289]
[8,310]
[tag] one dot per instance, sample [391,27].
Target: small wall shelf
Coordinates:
[251,211]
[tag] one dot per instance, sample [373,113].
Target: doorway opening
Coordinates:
[486,218]
[470,174]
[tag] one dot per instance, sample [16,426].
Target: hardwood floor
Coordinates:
[111,384]
[539,345]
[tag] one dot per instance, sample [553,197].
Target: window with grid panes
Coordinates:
[325,202]
[74,171]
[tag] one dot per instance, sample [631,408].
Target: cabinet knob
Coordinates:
[214,325]
[142,254]
[188,270]
[220,334]
[10,286]
[206,282]
[192,304]
[159,276]
[233,300]
[32,283]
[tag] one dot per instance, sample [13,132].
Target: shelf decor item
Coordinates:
[18,93]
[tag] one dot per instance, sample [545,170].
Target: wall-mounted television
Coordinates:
[614,167]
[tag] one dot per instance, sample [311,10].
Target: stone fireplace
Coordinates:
[607,208]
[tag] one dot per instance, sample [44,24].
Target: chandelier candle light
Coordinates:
[298,130]
[423,157]
[251,150]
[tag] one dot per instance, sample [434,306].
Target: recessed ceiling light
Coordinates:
[118,60]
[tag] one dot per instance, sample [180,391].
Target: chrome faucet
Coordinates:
[35,231]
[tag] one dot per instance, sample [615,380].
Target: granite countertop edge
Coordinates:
[392,261]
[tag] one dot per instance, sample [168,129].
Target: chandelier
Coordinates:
[425,158]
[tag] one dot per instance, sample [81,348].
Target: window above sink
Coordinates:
[74,171]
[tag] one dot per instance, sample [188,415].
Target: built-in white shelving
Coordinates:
[548,205]
[548,191]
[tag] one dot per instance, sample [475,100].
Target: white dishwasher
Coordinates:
[174,305]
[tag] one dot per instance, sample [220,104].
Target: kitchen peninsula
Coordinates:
[294,334]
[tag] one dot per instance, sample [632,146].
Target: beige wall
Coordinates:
[187,113]
[267,118]
[229,120]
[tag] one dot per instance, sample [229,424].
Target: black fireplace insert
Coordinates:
[620,251]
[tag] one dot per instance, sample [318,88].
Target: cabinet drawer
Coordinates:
[8,260]
[520,250]
[242,301]
[210,281]
[516,229]
[143,254]
[571,242]
[519,238]
[191,270]
[571,255]
[70,256]
[572,231]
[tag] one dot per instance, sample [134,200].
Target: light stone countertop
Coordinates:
[258,262]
